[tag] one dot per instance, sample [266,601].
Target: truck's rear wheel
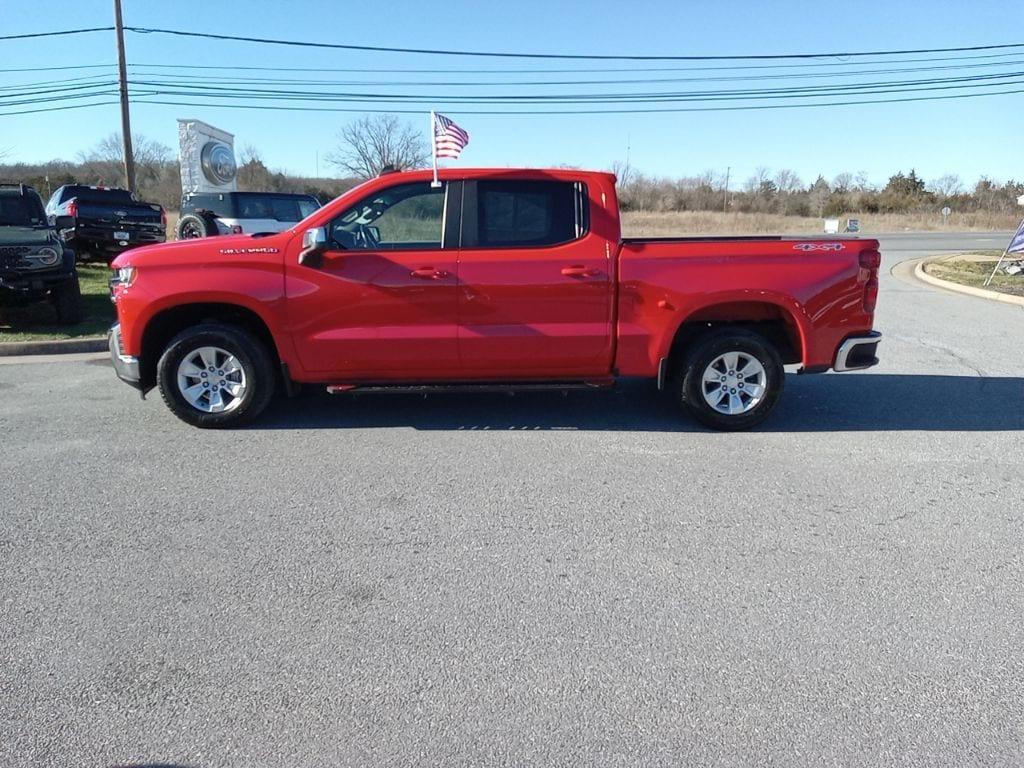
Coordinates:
[731,379]
[214,375]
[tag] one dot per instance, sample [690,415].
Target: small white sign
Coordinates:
[831,226]
[946,211]
[1020,200]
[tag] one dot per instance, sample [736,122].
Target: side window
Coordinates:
[529,213]
[51,204]
[407,216]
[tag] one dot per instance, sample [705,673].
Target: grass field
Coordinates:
[37,322]
[641,224]
[973,269]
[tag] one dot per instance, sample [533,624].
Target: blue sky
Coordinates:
[969,137]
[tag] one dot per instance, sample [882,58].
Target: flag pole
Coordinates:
[433,150]
[995,269]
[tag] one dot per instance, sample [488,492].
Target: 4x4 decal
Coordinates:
[819,247]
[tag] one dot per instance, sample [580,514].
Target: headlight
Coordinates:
[45,257]
[126,276]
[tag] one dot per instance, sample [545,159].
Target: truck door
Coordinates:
[535,284]
[381,303]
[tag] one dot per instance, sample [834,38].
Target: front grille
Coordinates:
[11,256]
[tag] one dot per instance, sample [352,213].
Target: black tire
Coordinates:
[67,301]
[689,386]
[252,355]
[192,226]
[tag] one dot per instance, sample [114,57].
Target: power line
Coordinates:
[586,57]
[523,113]
[618,81]
[805,91]
[577,70]
[56,34]
[52,69]
[530,113]
[61,108]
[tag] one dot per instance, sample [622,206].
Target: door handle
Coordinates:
[428,273]
[578,270]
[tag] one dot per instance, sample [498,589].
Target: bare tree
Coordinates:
[104,160]
[755,182]
[787,181]
[947,186]
[373,142]
[843,183]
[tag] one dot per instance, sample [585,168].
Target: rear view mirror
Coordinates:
[314,243]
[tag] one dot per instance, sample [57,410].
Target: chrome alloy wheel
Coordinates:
[211,380]
[734,383]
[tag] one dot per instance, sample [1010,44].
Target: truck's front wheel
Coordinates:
[214,375]
[731,379]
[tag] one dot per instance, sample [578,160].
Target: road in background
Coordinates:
[545,580]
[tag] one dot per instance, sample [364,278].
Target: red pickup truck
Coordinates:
[503,278]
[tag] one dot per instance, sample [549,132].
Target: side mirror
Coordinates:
[314,243]
[61,223]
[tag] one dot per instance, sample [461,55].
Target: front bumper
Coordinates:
[25,282]
[858,352]
[125,366]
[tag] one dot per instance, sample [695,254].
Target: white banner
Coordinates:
[207,157]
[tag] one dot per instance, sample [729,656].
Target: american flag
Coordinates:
[449,139]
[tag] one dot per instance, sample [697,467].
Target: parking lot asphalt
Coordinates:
[584,579]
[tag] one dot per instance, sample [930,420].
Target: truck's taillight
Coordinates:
[163,218]
[73,209]
[870,259]
[871,294]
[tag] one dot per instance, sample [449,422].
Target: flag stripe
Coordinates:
[449,139]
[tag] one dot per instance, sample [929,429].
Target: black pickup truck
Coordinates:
[108,221]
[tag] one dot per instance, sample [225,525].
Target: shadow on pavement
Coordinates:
[826,403]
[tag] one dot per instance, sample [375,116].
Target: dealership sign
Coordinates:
[207,156]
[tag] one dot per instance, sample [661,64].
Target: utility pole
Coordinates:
[725,203]
[126,124]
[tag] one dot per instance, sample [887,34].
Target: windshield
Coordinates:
[21,211]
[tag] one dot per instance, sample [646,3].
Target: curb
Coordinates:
[980,293]
[60,347]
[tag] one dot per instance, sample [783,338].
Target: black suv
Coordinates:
[35,263]
[249,213]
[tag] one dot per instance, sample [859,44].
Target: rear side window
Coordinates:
[529,213]
[113,196]
[220,205]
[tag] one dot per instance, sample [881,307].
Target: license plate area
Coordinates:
[120,235]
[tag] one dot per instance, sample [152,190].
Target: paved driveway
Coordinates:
[538,580]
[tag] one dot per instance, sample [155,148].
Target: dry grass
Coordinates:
[973,269]
[636,224]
